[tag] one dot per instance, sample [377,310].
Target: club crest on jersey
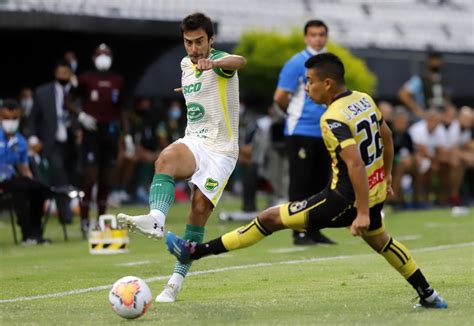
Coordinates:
[195,112]
[297,206]
[211,184]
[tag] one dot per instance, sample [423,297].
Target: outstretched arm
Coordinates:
[230,62]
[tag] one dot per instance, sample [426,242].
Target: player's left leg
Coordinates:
[201,209]
[400,258]
[266,223]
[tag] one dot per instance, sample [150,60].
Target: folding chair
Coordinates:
[6,202]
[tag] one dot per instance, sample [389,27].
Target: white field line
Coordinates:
[287,250]
[226,269]
[136,263]
[409,237]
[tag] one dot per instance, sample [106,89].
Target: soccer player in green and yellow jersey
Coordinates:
[360,145]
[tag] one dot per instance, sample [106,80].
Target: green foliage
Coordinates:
[266,52]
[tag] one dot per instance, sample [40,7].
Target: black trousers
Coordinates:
[28,196]
[63,172]
[310,167]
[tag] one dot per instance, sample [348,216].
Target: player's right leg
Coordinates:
[174,162]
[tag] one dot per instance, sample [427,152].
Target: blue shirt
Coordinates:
[303,113]
[13,151]
[415,87]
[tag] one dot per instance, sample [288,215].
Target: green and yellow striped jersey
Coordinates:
[212,102]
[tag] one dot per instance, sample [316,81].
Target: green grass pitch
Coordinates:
[273,282]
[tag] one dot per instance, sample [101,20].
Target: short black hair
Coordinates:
[196,21]
[62,63]
[433,54]
[328,65]
[10,104]
[315,23]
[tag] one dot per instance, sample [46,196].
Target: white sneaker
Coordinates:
[145,224]
[169,293]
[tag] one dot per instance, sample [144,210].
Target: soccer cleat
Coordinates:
[145,224]
[437,303]
[169,293]
[179,248]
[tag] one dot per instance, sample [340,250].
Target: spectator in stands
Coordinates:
[427,136]
[452,164]
[466,120]
[387,112]
[70,56]
[54,129]
[309,160]
[25,98]
[144,127]
[172,127]
[404,154]
[16,178]
[100,93]
[428,90]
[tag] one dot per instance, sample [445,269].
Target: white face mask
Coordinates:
[10,126]
[103,62]
[27,104]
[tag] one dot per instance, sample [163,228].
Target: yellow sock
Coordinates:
[244,236]
[399,257]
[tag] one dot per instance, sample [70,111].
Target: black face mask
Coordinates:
[435,69]
[62,82]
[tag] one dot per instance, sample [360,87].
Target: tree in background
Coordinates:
[266,52]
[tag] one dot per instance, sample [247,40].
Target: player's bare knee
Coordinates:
[271,220]
[165,162]
[377,242]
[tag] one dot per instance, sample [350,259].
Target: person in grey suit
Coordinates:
[53,130]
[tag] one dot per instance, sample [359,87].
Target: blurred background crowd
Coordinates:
[57,54]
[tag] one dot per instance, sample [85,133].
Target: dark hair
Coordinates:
[315,23]
[196,21]
[432,54]
[62,63]
[10,104]
[328,65]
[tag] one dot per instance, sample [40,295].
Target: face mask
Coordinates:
[103,62]
[174,113]
[27,104]
[73,64]
[62,82]
[10,126]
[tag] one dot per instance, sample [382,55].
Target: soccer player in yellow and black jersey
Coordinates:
[360,145]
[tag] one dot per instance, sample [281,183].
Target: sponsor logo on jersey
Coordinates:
[211,184]
[334,125]
[192,88]
[195,112]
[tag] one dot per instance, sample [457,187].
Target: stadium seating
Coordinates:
[401,24]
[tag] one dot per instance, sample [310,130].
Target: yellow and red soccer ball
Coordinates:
[130,297]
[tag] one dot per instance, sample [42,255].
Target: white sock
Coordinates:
[432,297]
[176,279]
[158,216]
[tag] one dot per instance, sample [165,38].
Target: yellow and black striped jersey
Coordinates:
[354,119]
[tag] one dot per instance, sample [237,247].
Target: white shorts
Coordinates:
[213,170]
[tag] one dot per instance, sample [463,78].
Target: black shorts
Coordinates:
[327,209]
[310,166]
[100,147]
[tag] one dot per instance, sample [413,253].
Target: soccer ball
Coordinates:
[130,297]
